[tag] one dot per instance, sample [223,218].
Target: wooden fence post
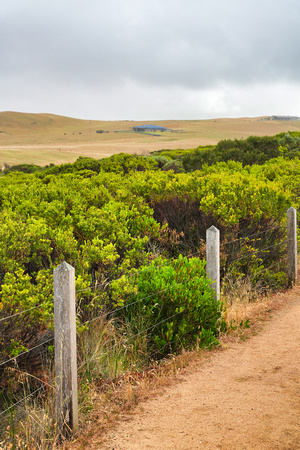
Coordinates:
[292,245]
[213,258]
[66,403]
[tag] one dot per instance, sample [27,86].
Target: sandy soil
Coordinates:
[245,397]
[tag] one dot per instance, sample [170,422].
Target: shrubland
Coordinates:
[135,232]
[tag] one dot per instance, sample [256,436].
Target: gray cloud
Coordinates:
[95,51]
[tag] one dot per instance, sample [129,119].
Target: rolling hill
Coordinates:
[47,138]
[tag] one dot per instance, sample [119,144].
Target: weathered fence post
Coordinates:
[66,404]
[292,245]
[213,258]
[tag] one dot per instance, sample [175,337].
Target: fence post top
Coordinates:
[213,229]
[64,266]
[291,209]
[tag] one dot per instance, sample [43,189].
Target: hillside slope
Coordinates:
[47,138]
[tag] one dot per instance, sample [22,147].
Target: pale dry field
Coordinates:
[46,138]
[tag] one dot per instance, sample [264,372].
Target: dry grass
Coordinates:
[30,424]
[45,138]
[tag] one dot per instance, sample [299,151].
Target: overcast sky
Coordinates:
[158,59]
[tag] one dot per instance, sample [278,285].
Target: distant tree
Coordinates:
[25,168]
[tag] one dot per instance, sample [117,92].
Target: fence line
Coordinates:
[86,323]
[213,259]
[166,344]
[213,253]
[143,331]
[26,413]
[265,268]
[251,252]
[292,248]
[135,302]
[256,250]
[251,235]
[138,272]
[65,351]
[27,351]
[130,275]
[170,261]
[22,400]
[136,335]
[149,356]
[66,392]
[172,286]
[21,312]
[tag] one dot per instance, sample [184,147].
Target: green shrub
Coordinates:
[25,168]
[176,303]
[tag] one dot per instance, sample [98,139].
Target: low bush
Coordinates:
[177,305]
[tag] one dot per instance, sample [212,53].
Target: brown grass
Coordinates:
[46,138]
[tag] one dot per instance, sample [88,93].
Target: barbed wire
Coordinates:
[251,253]
[167,263]
[130,275]
[129,338]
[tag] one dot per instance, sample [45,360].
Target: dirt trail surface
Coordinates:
[244,397]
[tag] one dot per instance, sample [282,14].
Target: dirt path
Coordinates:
[244,397]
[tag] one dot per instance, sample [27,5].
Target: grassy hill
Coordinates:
[47,138]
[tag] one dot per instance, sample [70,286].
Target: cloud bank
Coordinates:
[170,59]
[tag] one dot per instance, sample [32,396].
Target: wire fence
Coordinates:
[189,256]
[149,357]
[128,305]
[20,313]
[254,251]
[14,358]
[250,253]
[18,403]
[139,334]
[31,416]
